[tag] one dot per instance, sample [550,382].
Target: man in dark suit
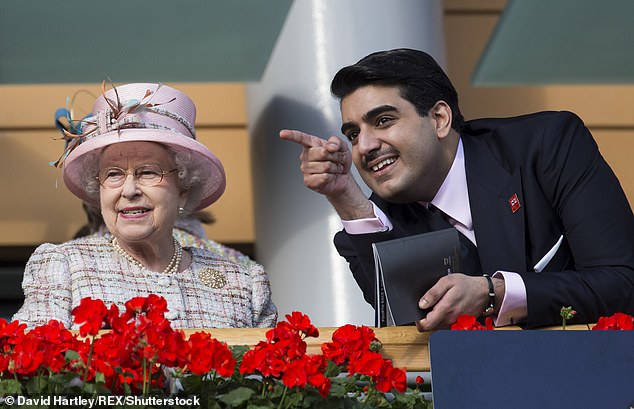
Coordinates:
[543,220]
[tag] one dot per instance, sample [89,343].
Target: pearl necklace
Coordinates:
[171,268]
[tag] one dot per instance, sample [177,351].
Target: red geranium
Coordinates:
[618,321]
[89,314]
[206,354]
[348,343]
[315,367]
[54,340]
[267,359]
[141,347]
[391,378]
[295,373]
[469,323]
[356,347]
[300,323]
[11,334]
[367,363]
[27,355]
[283,355]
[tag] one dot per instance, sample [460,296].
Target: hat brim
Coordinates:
[211,169]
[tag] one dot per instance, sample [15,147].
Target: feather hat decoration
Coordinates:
[138,112]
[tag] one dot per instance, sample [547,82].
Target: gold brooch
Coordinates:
[212,278]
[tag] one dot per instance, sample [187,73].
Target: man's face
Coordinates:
[396,151]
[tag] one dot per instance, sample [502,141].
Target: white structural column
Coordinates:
[295,226]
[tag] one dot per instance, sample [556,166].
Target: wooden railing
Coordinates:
[407,347]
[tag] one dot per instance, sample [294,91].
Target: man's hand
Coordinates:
[326,165]
[454,295]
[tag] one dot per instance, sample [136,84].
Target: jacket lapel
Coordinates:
[498,223]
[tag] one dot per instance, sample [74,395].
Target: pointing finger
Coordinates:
[301,138]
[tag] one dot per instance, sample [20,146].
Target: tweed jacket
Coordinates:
[57,277]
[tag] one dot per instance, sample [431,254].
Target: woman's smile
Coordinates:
[134,212]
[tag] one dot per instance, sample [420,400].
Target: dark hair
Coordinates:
[420,79]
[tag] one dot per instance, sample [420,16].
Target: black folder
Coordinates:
[406,268]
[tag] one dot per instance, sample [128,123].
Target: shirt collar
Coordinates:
[453,196]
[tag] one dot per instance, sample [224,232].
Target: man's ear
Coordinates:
[441,114]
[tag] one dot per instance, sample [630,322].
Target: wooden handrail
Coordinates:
[405,346]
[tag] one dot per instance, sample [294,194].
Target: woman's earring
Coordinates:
[181,210]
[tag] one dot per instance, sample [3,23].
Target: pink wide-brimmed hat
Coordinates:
[148,113]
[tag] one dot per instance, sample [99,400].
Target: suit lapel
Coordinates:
[500,231]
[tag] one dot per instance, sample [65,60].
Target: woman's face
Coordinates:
[134,212]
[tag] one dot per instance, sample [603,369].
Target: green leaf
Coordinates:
[253,406]
[36,385]
[332,370]
[71,355]
[238,351]
[237,396]
[10,387]
[412,399]
[192,383]
[100,377]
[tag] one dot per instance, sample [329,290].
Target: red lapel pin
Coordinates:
[515,203]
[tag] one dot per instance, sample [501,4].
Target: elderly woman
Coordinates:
[138,160]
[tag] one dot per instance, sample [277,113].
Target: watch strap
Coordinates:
[491,307]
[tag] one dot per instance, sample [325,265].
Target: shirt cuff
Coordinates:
[514,307]
[376,224]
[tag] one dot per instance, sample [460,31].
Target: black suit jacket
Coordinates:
[565,188]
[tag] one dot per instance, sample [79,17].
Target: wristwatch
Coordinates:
[491,307]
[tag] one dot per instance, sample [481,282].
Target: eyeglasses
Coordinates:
[146,175]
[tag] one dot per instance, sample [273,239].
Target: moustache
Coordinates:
[370,156]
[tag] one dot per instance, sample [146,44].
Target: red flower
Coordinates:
[617,321]
[295,373]
[348,343]
[89,314]
[174,350]
[287,338]
[369,363]
[391,377]
[156,307]
[469,323]
[334,352]
[283,356]
[54,340]
[322,383]
[308,369]
[27,356]
[265,358]
[132,356]
[9,330]
[11,334]
[153,306]
[135,305]
[300,322]
[315,367]
[140,342]
[206,353]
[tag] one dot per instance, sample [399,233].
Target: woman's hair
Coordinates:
[418,76]
[89,178]
[189,175]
